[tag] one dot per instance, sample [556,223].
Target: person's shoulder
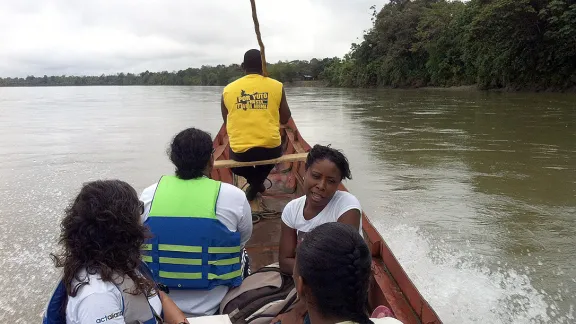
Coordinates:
[344,195]
[149,190]
[346,198]
[294,204]
[276,82]
[291,210]
[229,192]
[232,84]
[94,285]
[296,201]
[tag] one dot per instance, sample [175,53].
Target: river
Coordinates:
[475,192]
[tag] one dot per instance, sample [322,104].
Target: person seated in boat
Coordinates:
[325,168]
[199,228]
[322,202]
[332,275]
[104,279]
[253,107]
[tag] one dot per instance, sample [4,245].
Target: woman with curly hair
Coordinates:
[103,276]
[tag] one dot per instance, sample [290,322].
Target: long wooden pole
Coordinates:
[257,29]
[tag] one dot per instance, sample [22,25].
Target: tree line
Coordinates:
[206,76]
[512,44]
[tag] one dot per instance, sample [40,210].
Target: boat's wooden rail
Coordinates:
[284,158]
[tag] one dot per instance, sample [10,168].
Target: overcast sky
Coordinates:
[91,37]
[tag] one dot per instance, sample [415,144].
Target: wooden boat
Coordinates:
[390,285]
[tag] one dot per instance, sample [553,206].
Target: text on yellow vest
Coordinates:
[253,104]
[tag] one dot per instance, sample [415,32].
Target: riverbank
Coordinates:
[323,84]
[462,88]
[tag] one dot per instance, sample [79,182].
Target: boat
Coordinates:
[390,285]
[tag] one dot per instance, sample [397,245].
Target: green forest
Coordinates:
[206,76]
[494,44]
[513,44]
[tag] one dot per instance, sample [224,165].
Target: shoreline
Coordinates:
[462,88]
[323,84]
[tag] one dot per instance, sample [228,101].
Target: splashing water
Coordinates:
[461,290]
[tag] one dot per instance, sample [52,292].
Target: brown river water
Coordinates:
[474,192]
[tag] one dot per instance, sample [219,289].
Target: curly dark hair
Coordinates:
[102,233]
[320,152]
[334,262]
[190,152]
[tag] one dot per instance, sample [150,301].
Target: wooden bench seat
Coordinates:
[284,158]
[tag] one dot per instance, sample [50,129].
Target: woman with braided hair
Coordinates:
[332,274]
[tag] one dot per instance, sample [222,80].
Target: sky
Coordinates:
[91,37]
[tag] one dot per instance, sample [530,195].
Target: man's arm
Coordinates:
[224,110]
[285,113]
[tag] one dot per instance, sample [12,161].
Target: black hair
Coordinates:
[320,152]
[190,152]
[334,261]
[101,233]
[252,61]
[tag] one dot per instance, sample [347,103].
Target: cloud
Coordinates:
[90,37]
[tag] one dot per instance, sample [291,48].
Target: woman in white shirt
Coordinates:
[103,277]
[322,202]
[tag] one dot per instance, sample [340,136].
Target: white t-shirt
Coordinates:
[102,302]
[232,210]
[341,202]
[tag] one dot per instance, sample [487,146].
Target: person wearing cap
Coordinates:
[253,107]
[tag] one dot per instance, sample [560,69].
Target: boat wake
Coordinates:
[462,289]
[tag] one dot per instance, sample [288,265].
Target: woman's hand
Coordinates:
[172,314]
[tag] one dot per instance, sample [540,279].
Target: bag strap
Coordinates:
[240,314]
[147,273]
[289,303]
[156,319]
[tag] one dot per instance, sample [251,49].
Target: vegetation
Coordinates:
[513,44]
[206,75]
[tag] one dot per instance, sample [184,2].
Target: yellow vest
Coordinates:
[253,104]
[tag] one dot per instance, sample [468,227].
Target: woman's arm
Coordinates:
[287,251]
[172,314]
[351,217]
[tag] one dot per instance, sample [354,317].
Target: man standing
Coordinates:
[253,107]
[199,227]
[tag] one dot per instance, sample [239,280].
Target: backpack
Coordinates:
[262,296]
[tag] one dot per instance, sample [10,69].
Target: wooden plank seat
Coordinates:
[218,164]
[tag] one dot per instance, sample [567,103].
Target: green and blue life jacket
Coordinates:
[190,247]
